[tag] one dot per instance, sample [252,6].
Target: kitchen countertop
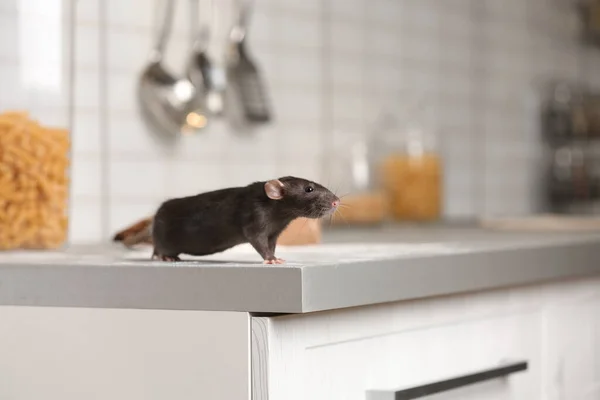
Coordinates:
[353,267]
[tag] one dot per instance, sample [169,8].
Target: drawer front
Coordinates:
[314,358]
[404,360]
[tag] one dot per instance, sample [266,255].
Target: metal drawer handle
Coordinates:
[427,389]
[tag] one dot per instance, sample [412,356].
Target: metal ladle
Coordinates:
[169,103]
[201,71]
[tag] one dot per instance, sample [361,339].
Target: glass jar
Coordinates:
[410,169]
[363,202]
[34,125]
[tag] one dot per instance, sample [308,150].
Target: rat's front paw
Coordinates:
[274,260]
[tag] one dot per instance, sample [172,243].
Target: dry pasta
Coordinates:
[413,184]
[34,161]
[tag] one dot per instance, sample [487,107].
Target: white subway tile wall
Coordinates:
[331,67]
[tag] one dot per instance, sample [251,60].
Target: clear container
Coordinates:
[410,169]
[363,202]
[34,124]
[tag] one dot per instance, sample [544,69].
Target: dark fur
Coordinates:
[215,221]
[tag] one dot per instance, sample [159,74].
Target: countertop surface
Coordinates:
[352,267]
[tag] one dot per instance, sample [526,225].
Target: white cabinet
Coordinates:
[572,344]
[344,354]
[407,358]
[99,354]
[70,354]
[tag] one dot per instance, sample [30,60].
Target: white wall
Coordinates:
[330,66]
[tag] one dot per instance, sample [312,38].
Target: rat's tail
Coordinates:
[140,232]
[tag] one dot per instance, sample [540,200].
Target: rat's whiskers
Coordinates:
[338,211]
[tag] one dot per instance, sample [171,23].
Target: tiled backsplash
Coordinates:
[331,67]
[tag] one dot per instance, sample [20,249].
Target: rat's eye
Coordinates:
[309,189]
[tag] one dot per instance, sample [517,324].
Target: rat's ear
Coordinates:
[274,189]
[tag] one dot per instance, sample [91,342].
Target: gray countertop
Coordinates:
[353,267]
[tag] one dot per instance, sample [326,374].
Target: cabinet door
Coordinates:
[571,345]
[407,359]
[318,358]
[108,354]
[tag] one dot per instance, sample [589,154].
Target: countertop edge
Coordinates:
[200,289]
[298,289]
[326,289]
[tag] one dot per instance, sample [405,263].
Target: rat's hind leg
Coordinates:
[165,258]
[162,257]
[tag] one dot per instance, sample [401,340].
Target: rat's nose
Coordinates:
[335,203]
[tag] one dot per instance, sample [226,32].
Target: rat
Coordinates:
[212,222]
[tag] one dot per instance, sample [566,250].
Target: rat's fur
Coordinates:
[215,221]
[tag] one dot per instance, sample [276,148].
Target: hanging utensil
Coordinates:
[168,102]
[242,73]
[201,71]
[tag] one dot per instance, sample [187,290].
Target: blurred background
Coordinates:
[438,110]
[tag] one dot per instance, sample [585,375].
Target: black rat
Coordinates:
[215,221]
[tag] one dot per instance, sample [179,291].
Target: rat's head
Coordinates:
[302,197]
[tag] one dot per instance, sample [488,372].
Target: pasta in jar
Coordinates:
[411,171]
[34,162]
[413,183]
